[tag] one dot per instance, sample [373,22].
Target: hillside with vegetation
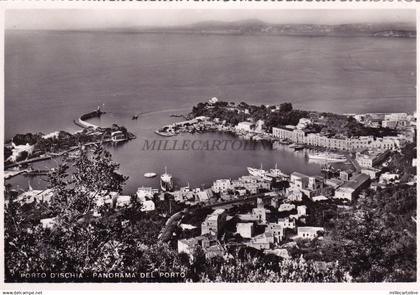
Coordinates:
[328,124]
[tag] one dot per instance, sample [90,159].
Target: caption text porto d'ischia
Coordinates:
[204,145]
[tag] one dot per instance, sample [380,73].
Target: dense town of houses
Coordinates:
[278,235]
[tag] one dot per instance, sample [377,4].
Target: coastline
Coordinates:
[81,122]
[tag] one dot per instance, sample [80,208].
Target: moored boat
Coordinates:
[275,173]
[149,174]
[329,157]
[258,172]
[118,136]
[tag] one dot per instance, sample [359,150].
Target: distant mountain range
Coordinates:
[257,27]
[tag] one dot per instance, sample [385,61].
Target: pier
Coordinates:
[81,122]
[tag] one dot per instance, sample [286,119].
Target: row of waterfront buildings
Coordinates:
[344,143]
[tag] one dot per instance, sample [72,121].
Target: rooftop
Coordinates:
[310,229]
[356,181]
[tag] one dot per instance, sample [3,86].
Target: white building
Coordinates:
[246,230]
[371,159]
[48,222]
[309,232]
[277,230]
[221,185]
[260,214]
[301,210]
[123,201]
[261,241]
[372,172]
[144,193]
[395,116]
[299,180]
[319,198]
[388,178]
[204,195]
[245,126]
[286,207]
[259,125]
[148,206]
[286,223]
[351,188]
[303,123]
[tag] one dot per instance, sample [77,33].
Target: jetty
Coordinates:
[81,122]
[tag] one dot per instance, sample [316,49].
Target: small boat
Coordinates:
[118,136]
[296,147]
[165,133]
[150,174]
[135,117]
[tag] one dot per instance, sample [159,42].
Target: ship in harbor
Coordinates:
[276,173]
[327,157]
[257,172]
[166,182]
[267,175]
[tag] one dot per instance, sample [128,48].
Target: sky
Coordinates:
[97,19]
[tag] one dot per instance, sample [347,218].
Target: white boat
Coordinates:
[330,157]
[166,182]
[149,174]
[276,173]
[166,131]
[118,136]
[258,172]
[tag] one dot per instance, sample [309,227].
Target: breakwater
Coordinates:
[81,122]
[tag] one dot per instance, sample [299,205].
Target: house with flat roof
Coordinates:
[299,180]
[352,188]
[208,243]
[286,207]
[277,231]
[309,232]
[262,241]
[286,222]
[245,229]
[221,185]
[372,158]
